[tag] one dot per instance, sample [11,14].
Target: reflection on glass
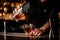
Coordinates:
[27,28]
[5,9]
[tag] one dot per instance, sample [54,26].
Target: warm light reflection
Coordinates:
[18,5]
[0,14]
[8,3]
[3,14]
[12,4]
[0,8]
[59,15]
[5,3]
[7,16]
[5,9]
[42,1]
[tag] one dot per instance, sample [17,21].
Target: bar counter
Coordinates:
[22,36]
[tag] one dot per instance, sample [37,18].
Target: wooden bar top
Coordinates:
[22,35]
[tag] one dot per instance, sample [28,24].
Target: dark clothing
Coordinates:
[55,24]
[39,17]
[38,13]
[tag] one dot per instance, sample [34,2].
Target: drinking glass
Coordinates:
[28,28]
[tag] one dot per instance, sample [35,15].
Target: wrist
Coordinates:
[42,30]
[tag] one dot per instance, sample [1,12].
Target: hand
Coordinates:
[36,32]
[39,31]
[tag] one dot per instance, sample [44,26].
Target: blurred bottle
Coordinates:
[18,13]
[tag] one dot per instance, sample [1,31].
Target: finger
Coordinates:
[31,33]
[41,31]
[36,33]
[26,33]
[39,34]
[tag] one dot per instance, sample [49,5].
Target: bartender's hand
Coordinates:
[36,32]
[39,31]
[19,16]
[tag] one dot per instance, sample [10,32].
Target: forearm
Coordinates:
[45,26]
